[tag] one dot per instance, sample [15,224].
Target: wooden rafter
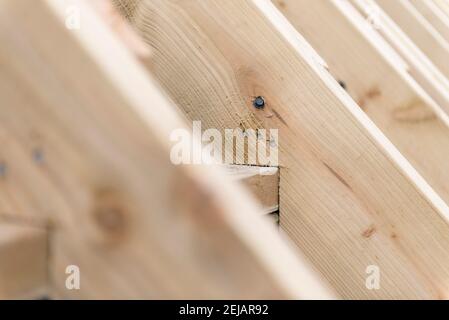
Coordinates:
[419,66]
[434,15]
[347,197]
[411,21]
[360,59]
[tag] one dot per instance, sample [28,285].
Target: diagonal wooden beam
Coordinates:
[443,5]
[420,67]
[136,225]
[410,20]
[347,197]
[434,15]
[360,58]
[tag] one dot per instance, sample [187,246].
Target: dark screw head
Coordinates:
[342,84]
[259,102]
[2,169]
[38,156]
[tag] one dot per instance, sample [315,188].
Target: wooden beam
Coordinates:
[434,15]
[136,225]
[23,261]
[127,8]
[347,197]
[361,59]
[420,67]
[443,5]
[263,183]
[408,18]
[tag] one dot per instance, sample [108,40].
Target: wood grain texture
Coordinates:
[443,5]
[358,57]
[262,182]
[340,176]
[409,19]
[419,66]
[434,15]
[23,261]
[97,128]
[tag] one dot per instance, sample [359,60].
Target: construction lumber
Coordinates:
[434,15]
[443,5]
[263,183]
[134,224]
[358,57]
[419,66]
[23,261]
[348,198]
[409,19]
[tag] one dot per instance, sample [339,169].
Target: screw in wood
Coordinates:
[3,169]
[38,156]
[259,102]
[342,84]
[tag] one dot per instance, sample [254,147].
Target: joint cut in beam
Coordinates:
[263,183]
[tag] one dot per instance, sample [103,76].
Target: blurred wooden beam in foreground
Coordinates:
[135,224]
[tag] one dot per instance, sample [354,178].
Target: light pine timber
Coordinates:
[419,66]
[126,8]
[420,31]
[136,225]
[347,197]
[443,5]
[357,56]
[434,15]
[263,183]
[23,261]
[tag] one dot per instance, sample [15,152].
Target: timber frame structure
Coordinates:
[358,91]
